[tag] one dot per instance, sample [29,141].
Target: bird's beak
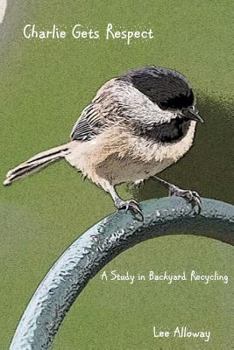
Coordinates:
[192,114]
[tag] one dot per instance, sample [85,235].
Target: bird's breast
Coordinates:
[120,156]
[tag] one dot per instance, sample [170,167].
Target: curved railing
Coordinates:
[99,245]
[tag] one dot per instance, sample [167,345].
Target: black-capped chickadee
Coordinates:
[137,125]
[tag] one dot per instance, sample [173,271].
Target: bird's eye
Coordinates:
[162,106]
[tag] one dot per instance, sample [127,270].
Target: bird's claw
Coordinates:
[191,197]
[131,205]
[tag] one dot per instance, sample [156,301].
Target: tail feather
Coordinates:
[36,163]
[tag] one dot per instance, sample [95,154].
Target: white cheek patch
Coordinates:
[140,107]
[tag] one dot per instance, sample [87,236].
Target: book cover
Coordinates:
[174,289]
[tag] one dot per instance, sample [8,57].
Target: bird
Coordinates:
[138,124]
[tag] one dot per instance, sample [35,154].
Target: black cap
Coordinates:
[166,87]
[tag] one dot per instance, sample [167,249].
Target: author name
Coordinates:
[80,32]
[182,332]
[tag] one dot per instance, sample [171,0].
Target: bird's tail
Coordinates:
[36,163]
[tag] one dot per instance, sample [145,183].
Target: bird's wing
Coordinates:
[88,125]
[97,116]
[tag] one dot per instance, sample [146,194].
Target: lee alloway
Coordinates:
[81,32]
[182,332]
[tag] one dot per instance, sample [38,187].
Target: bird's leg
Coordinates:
[131,204]
[190,196]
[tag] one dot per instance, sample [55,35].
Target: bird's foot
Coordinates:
[131,205]
[191,197]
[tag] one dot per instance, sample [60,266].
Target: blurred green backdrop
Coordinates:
[44,85]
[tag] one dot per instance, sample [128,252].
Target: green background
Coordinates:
[44,85]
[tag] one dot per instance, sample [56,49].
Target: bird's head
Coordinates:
[168,89]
